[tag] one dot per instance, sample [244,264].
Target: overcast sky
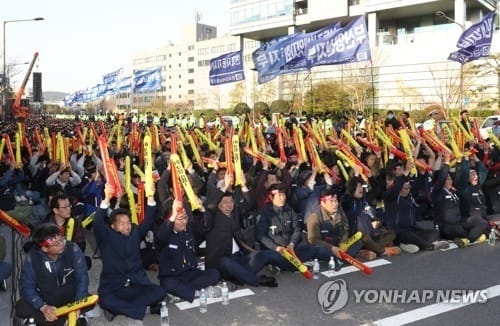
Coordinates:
[80,41]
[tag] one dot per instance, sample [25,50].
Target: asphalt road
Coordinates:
[295,301]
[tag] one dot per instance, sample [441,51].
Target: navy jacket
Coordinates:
[176,250]
[286,226]
[399,211]
[42,282]
[121,259]
[446,202]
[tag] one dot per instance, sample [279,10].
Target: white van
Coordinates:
[488,124]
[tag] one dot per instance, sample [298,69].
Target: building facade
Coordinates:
[410,43]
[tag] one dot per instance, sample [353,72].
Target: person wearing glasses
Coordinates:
[60,207]
[53,274]
[176,244]
[124,286]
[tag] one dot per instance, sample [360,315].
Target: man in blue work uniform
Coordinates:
[124,287]
[176,245]
[54,274]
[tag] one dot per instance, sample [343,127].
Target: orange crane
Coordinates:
[21,111]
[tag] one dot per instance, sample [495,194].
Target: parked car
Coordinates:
[488,124]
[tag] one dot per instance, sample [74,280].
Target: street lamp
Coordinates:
[461,87]
[4,80]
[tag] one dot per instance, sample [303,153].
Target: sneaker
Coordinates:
[392,251]
[409,248]
[268,281]
[275,270]
[232,286]
[172,298]
[108,314]
[82,321]
[154,309]
[3,285]
[338,264]
[367,254]
[462,242]
[438,245]
[94,312]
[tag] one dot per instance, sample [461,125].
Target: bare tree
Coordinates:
[451,85]
[201,99]
[357,79]
[407,95]
[488,90]
[216,96]
[237,93]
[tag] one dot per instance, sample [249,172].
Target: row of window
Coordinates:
[150,99]
[153,59]
[260,11]
[217,49]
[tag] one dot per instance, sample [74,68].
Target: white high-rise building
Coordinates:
[185,68]
[410,43]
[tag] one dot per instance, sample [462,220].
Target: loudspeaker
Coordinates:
[37,87]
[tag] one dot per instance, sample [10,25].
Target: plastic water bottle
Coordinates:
[331,264]
[203,301]
[225,294]
[31,322]
[164,314]
[316,269]
[492,237]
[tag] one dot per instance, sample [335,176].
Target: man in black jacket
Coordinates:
[279,227]
[447,214]
[400,214]
[227,248]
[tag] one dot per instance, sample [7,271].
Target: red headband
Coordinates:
[328,197]
[50,241]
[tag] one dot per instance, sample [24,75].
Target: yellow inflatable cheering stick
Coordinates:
[148,166]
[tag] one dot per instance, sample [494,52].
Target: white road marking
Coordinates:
[196,302]
[350,269]
[429,311]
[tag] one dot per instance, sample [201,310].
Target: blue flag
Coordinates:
[226,68]
[112,76]
[347,44]
[269,58]
[123,85]
[288,54]
[475,41]
[147,81]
